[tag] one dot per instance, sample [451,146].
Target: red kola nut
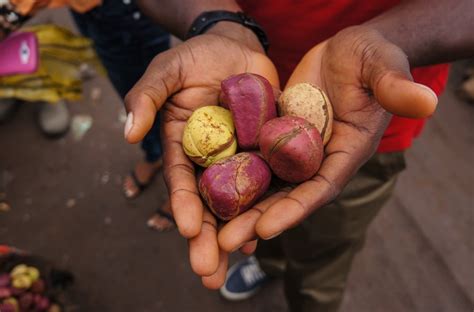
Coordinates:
[38,287]
[232,185]
[251,99]
[292,147]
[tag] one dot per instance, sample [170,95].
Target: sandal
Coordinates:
[161,215]
[141,186]
[137,184]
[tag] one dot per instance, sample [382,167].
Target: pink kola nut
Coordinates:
[4,279]
[251,100]
[292,147]
[232,185]
[41,302]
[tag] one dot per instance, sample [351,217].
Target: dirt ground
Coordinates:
[66,205]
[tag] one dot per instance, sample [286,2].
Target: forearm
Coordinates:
[176,16]
[429,31]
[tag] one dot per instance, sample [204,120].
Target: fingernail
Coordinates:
[429,90]
[128,125]
[273,236]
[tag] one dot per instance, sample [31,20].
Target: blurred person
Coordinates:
[126,41]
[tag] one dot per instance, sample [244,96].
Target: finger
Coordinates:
[292,209]
[249,248]
[203,249]
[241,229]
[161,79]
[403,97]
[261,64]
[309,68]
[180,179]
[216,280]
[387,73]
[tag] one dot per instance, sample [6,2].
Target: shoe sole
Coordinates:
[237,296]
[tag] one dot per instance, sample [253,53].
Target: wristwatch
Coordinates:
[208,19]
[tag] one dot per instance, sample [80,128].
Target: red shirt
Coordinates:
[294,27]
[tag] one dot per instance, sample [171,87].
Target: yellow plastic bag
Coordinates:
[58,75]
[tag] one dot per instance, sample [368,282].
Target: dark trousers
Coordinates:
[126,41]
[315,257]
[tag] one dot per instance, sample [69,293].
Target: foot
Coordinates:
[243,280]
[162,220]
[466,90]
[144,173]
[54,119]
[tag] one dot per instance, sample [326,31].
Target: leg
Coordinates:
[319,252]
[126,45]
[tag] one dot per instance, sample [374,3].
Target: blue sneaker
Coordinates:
[243,280]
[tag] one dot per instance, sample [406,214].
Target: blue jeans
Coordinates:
[126,41]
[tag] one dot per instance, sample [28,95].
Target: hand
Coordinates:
[365,78]
[177,82]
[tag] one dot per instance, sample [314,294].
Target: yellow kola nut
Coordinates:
[209,135]
[33,273]
[20,269]
[22,282]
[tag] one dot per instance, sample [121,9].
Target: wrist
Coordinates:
[429,32]
[238,33]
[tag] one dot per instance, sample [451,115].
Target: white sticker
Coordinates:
[24,52]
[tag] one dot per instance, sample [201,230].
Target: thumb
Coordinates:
[387,72]
[161,79]
[403,97]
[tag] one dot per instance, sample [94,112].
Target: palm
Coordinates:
[178,82]
[355,79]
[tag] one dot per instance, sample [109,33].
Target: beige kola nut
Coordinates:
[311,103]
[209,135]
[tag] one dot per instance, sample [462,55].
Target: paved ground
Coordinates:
[67,206]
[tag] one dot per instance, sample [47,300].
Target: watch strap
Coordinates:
[208,19]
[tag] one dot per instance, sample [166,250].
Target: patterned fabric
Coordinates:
[10,19]
[29,7]
[61,54]
[13,13]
